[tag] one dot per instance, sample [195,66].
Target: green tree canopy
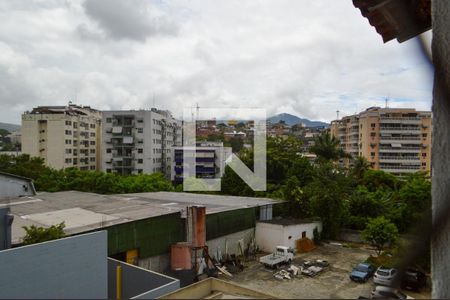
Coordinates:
[380,232]
[35,234]
[327,148]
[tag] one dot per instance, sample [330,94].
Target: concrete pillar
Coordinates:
[440,258]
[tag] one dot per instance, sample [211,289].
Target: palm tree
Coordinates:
[360,166]
[327,148]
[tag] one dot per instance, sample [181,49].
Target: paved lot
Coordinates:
[332,283]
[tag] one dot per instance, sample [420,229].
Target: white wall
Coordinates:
[268,235]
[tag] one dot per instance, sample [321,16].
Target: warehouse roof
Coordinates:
[83,212]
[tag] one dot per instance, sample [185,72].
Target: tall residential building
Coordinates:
[64,136]
[394,140]
[139,141]
[209,157]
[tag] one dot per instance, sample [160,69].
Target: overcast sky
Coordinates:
[308,58]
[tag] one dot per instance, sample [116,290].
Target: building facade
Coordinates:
[394,140]
[139,141]
[64,136]
[209,156]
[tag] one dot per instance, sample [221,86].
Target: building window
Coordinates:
[108,170]
[92,151]
[75,125]
[372,153]
[92,159]
[68,142]
[140,120]
[68,123]
[140,130]
[108,150]
[92,126]
[424,155]
[139,171]
[424,164]
[92,143]
[140,150]
[92,134]
[68,151]
[140,161]
[424,135]
[373,134]
[68,160]
[108,120]
[373,125]
[92,167]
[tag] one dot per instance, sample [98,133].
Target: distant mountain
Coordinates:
[9,127]
[292,120]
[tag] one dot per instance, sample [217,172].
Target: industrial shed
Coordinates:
[142,227]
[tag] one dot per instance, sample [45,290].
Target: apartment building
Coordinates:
[64,136]
[394,140]
[139,141]
[209,157]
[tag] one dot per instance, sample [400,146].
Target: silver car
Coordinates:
[384,292]
[384,276]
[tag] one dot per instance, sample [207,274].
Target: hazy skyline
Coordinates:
[307,58]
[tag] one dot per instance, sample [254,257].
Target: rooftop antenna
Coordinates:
[198,110]
[337,115]
[386,102]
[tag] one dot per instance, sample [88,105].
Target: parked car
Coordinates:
[362,272]
[385,292]
[385,276]
[414,280]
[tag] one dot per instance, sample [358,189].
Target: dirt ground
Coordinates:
[332,283]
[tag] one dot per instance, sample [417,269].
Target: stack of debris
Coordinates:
[313,268]
[289,273]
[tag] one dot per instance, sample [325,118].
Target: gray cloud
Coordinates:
[128,19]
[282,55]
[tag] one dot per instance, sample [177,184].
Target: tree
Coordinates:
[379,232]
[375,179]
[327,193]
[39,234]
[360,166]
[327,148]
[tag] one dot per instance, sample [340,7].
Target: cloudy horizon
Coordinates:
[306,58]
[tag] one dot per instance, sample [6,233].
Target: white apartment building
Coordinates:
[64,136]
[138,141]
[210,160]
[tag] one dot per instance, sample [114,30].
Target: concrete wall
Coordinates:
[13,187]
[349,235]
[269,235]
[161,263]
[73,267]
[221,289]
[139,283]
[440,257]
[158,263]
[230,241]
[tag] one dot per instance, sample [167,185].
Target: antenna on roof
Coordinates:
[337,115]
[198,110]
[386,102]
